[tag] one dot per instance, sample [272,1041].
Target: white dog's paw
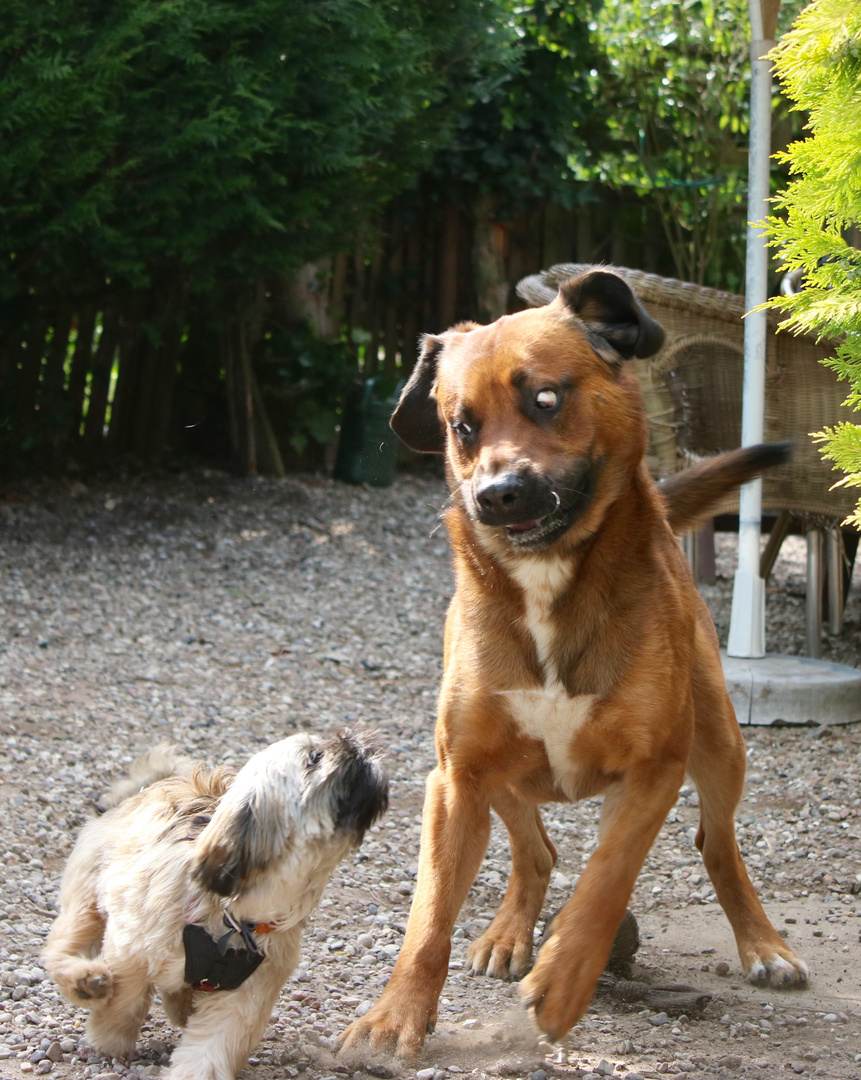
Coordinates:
[94,984]
[203,1070]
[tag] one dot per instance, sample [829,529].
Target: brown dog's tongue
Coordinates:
[524,526]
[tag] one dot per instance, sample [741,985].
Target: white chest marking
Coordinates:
[552,717]
[542,581]
[548,714]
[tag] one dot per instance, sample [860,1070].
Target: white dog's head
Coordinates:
[291,814]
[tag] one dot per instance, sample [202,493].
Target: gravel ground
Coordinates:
[225,614]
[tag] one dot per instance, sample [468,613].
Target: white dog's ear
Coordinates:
[242,839]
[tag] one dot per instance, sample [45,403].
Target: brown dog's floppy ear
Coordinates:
[610,309]
[416,420]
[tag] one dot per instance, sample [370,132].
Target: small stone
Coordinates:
[722,968]
[604,1068]
[55,1052]
[509,1067]
[658,1019]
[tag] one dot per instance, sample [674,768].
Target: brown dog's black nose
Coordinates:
[500,494]
[510,498]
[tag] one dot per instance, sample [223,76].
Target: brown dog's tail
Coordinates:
[690,495]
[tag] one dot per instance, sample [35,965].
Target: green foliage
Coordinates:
[676,84]
[218,141]
[819,64]
[525,115]
[303,380]
[159,159]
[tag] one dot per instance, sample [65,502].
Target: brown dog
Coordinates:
[579,657]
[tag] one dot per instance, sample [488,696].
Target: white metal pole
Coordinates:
[747,620]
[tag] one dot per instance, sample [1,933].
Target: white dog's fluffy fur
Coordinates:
[187,845]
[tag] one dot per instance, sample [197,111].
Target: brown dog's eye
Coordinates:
[462,429]
[546,399]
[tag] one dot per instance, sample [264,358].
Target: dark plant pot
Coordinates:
[367,447]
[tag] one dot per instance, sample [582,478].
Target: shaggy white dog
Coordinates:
[197,884]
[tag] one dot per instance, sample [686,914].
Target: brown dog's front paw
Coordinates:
[499,959]
[401,1028]
[557,993]
[779,968]
[94,985]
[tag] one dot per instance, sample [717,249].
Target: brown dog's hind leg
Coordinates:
[455,834]
[505,949]
[716,766]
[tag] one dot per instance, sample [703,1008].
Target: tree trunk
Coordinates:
[101,379]
[488,262]
[31,370]
[251,435]
[448,266]
[271,462]
[132,344]
[53,383]
[81,359]
[157,441]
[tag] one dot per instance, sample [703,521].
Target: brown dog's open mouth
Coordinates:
[525,527]
[540,533]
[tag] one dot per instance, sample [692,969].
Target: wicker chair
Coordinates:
[692,392]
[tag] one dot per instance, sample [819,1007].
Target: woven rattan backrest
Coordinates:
[692,389]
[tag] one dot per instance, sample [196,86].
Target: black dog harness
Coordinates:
[211,965]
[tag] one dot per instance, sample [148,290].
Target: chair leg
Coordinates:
[834,560]
[706,571]
[775,541]
[691,550]
[814,593]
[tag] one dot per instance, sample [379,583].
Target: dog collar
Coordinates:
[211,964]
